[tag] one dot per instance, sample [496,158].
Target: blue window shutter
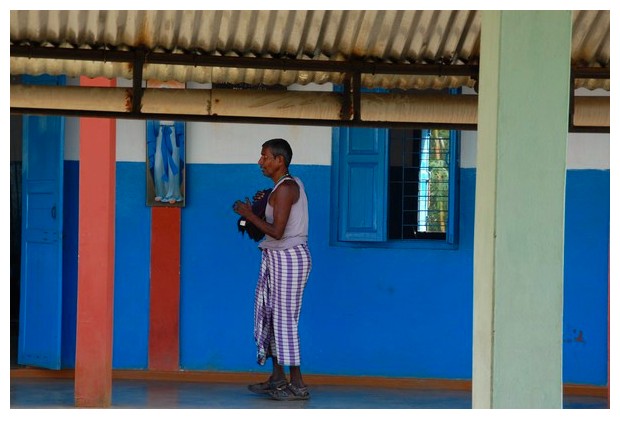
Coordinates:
[362,193]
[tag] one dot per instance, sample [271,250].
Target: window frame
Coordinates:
[451,241]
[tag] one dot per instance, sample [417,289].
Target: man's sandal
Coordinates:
[266,387]
[290,392]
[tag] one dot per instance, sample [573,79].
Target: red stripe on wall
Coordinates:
[165,288]
[95,294]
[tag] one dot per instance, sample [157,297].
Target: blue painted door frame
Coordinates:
[40,318]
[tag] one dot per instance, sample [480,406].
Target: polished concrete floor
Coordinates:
[46,393]
[58,393]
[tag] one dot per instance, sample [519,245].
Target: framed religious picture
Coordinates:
[165,158]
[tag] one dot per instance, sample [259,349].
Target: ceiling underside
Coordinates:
[445,42]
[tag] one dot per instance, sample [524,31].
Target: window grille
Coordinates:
[419,185]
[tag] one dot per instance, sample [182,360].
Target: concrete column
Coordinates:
[95,300]
[519,229]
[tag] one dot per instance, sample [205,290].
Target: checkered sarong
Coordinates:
[277,303]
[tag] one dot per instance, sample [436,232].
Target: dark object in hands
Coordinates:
[258,208]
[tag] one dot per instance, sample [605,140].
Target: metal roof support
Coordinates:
[351,100]
[357,100]
[138,66]
[351,97]
[198,59]
[207,60]
[571,100]
[347,108]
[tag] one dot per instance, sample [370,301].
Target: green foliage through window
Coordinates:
[419,184]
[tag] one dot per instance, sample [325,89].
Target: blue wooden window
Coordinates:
[362,179]
[394,188]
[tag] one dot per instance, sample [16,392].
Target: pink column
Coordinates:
[95,298]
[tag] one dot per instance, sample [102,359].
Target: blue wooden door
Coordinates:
[41,279]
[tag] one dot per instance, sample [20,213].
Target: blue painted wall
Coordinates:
[586,253]
[132,268]
[375,312]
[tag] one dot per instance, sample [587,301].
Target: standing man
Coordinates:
[285,266]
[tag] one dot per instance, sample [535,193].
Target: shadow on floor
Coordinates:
[156,394]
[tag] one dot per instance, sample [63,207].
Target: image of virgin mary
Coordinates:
[166,157]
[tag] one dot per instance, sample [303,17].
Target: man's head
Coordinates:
[280,147]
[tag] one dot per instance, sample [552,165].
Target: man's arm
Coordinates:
[282,200]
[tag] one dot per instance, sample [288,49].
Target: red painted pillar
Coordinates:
[95,296]
[165,288]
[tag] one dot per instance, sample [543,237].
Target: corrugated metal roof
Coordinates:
[444,37]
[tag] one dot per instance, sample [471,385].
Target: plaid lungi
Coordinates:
[277,303]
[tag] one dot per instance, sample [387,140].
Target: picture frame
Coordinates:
[165,157]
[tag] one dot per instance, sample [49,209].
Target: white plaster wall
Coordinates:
[584,151]
[241,143]
[468,149]
[588,151]
[220,143]
[130,140]
[72,138]
[72,130]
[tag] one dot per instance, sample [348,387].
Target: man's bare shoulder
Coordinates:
[288,189]
[291,184]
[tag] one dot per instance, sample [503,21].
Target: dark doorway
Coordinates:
[16,227]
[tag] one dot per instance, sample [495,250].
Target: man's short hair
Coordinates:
[280,147]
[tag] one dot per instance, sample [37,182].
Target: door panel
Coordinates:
[41,279]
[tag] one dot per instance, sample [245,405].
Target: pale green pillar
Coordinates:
[519,229]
